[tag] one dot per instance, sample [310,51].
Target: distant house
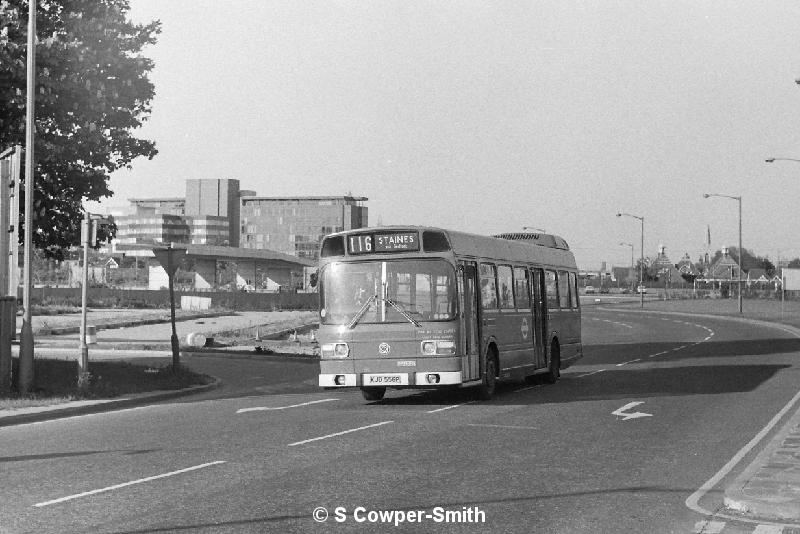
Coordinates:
[724,269]
[757,276]
[687,268]
[665,269]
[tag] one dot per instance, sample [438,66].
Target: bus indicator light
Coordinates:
[431,348]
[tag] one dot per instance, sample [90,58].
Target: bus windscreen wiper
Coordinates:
[402,312]
[357,317]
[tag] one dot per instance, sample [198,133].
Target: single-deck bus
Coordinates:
[414,307]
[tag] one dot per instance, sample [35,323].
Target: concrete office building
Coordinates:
[296,225]
[208,202]
[238,239]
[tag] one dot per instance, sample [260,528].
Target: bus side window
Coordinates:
[551,286]
[505,286]
[488,286]
[573,291]
[563,290]
[521,288]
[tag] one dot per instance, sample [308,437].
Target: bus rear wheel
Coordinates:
[373,394]
[554,371]
[489,382]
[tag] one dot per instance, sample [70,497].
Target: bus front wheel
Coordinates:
[489,382]
[373,394]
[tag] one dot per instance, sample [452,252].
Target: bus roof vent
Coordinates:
[435,241]
[545,240]
[332,246]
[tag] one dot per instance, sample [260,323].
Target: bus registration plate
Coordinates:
[386,379]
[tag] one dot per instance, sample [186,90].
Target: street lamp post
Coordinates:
[629,245]
[641,268]
[739,200]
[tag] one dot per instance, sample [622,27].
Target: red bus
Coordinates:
[418,307]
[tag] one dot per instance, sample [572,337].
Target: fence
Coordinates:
[143,298]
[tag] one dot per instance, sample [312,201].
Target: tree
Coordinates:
[749,260]
[92,90]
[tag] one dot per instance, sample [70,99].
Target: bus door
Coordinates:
[538,305]
[468,284]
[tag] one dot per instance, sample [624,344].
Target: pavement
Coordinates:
[130,339]
[768,488]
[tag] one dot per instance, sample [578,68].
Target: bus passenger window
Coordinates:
[521,292]
[573,290]
[563,290]
[488,287]
[505,285]
[552,290]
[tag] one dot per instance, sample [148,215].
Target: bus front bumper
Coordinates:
[417,379]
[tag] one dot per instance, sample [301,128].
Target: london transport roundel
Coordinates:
[384,348]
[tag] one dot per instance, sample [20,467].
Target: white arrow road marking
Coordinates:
[635,415]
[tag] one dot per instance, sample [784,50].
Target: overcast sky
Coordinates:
[487,117]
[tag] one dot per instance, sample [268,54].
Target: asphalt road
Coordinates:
[658,406]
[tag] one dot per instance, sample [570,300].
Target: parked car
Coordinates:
[589,290]
[641,289]
[624,290]
[604,291]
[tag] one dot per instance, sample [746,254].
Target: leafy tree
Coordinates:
[749,260]
[92,90]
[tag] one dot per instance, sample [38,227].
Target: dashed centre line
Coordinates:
[339,433]
[268,408]
[126,484]
[676,349]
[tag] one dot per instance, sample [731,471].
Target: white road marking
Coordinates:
[592,373]
[339,433]
[449,407]
[634,415]
[266,408]
[125,484]
[694,499]
[514,427]
[768,529]
[708,527]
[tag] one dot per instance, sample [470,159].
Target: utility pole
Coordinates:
[26,375]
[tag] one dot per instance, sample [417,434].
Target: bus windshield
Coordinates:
[387,292]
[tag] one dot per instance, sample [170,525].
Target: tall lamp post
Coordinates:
[641,268]
[739,200]
[629,245]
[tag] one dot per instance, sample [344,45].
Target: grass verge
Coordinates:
[57,382]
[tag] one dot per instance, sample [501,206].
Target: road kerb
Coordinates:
[69,409]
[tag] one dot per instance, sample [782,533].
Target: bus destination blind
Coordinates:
[374,243]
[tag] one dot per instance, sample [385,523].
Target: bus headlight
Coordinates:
[335,350]
[438,347]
